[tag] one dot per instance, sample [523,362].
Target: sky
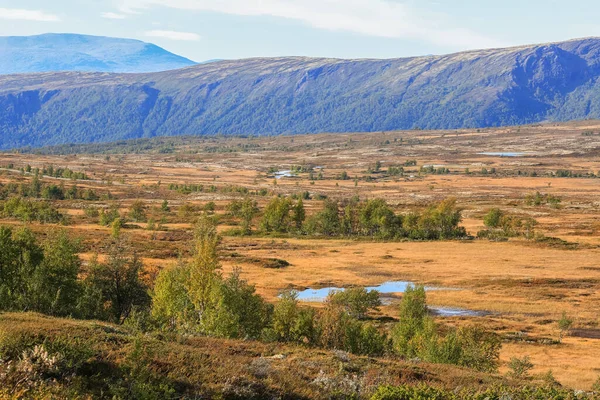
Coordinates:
[230,29]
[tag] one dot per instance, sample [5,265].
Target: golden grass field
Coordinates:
[525,286]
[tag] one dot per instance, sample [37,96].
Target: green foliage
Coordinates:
[327,221]
[195,296]
[502,225]
[107,217]
[416,335]
[248,210]
[115,228]
[298,214]
[117,282]
[38,278]
[564,324]
[520,367]
[493,218]
[292,323]
[276,216]
[339,330]
[539,199]
[171,304]
[236,311]
[356,301]
[374,218]
[497,392]
[137,212]
[378,220]
[164,206]
[29,210]
[596,385]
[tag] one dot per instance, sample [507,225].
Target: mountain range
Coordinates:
[484,88]
[71,52]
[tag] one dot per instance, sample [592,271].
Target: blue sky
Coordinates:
[216,29]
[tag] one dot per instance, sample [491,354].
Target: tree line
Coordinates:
[350,218]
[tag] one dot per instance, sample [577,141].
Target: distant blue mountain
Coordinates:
[519,85]
[70,52]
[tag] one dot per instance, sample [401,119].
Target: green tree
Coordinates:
[378,220]
[413,315]
[356,301]
[298,214]
[115,228]
[520,367]
[119,281]
[137,212]
[276,216]
[327,221]
[237,312]
[248,210]
[285,313]
[493,218]
[205,269]
[171,305]
[564,324]
[54,286]
[20,256]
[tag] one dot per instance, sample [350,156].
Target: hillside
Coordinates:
[67,359]
[71,52]
[551,82]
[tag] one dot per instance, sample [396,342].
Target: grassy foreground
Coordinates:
[49,358]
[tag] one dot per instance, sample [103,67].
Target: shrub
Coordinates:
[564,324]
[416,335]
[356,301]
[520,367]
[107,217]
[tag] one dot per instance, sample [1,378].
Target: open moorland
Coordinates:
[517,272]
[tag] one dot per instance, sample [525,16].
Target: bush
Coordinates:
[138,211]
[520,367]
[29,211]
[416,335]
[356,301]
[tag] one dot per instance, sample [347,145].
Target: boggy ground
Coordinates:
[525,286]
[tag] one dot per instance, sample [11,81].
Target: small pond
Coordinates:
[319,295]
[503,154]
[284,174]
[456,312]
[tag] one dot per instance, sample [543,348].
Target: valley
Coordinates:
[519,285]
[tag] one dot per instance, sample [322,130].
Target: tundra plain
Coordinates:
[522,286]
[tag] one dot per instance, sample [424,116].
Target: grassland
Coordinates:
[523,285]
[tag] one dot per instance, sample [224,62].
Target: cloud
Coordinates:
[111,15]
[174,35]
[27,15]
[381,18]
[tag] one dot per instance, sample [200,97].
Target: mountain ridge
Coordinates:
[58,52]
[287,95]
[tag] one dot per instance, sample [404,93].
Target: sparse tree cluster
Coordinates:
[353,218]
[46,277]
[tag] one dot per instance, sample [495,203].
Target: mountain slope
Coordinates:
[303,95]
[70,52]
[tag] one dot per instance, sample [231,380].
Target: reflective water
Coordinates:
[318,295]
[509,154]
[456,312]
[283,174]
